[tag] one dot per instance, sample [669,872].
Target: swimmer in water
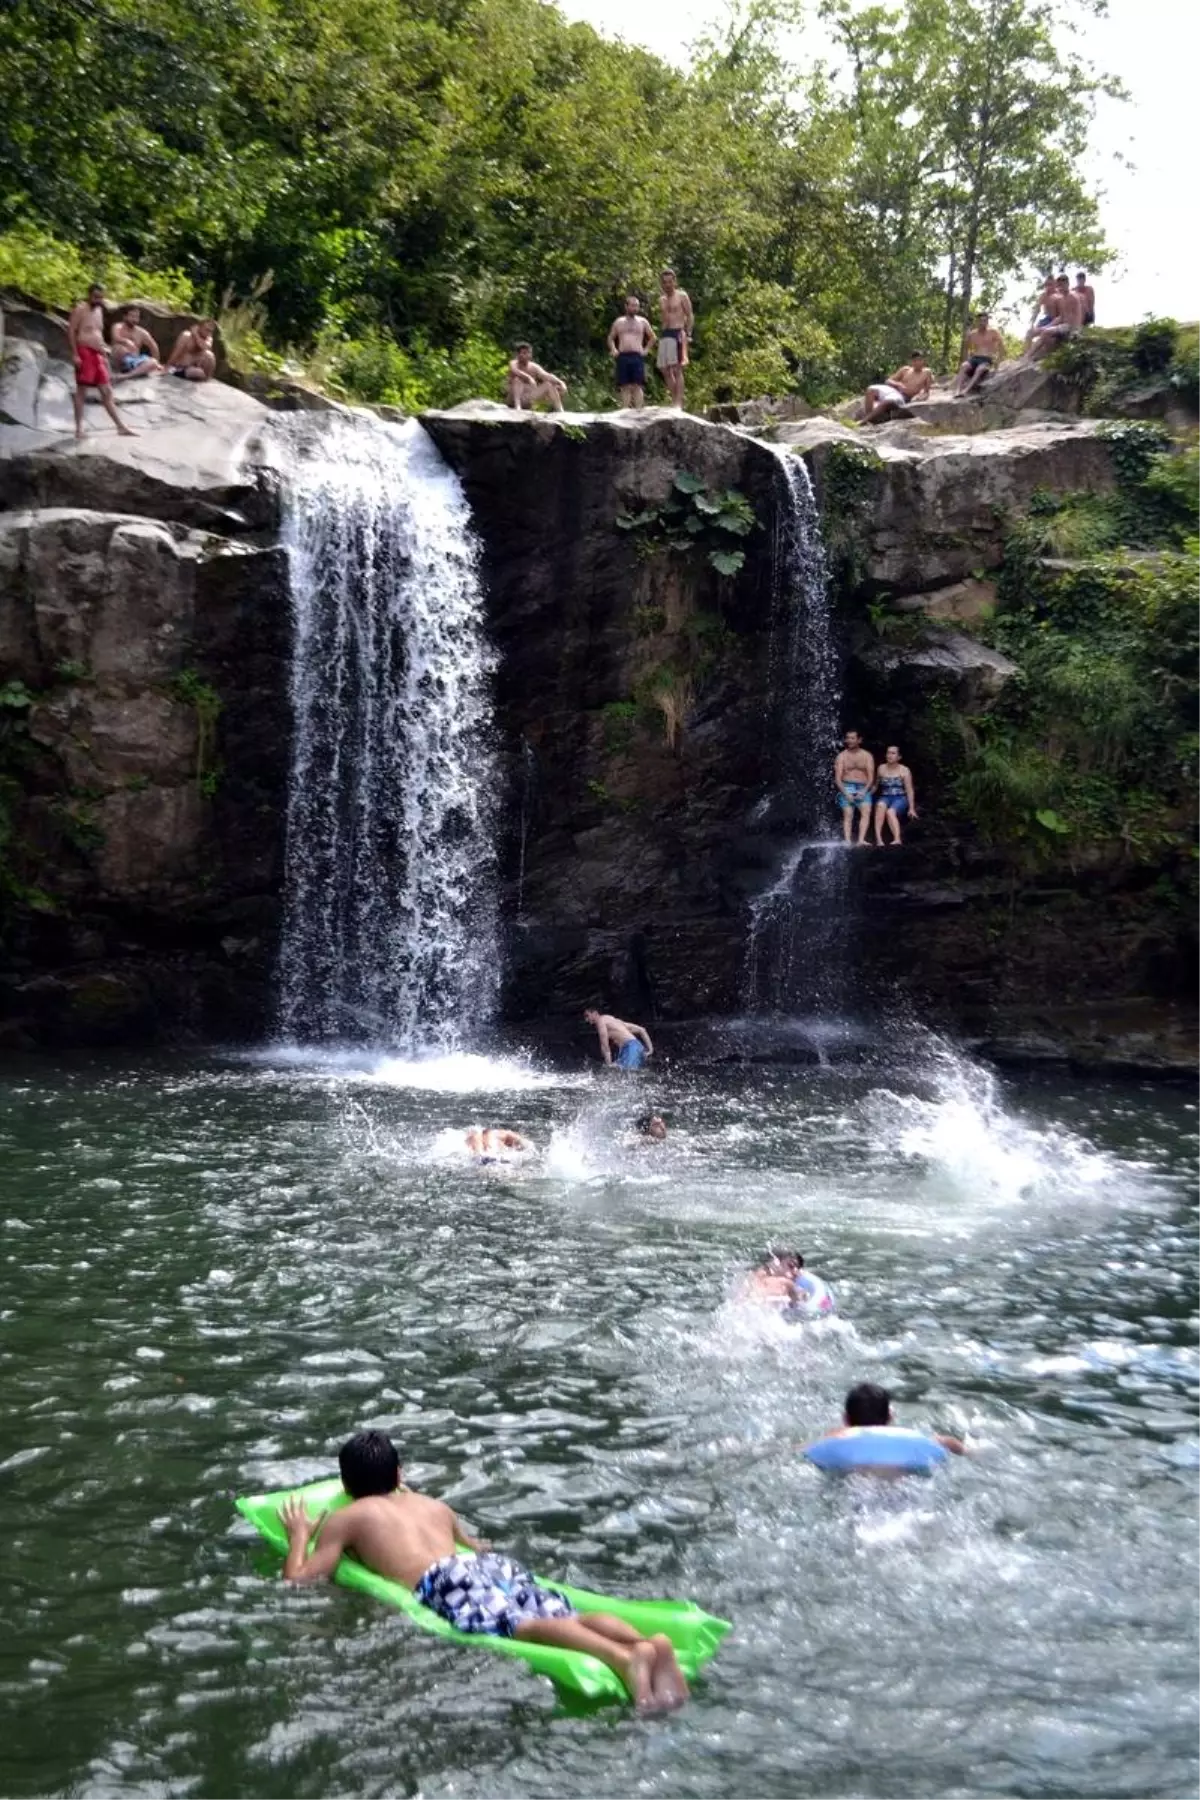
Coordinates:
[868,1406]
[492,1143]
[417,1541]
[652,1127]
[773,1281]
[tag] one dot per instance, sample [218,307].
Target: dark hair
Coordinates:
[369,1464]
[126,310]
[776,1255]
[519,347]
[867,1404]
[95,287]
[919,353]
[667,272]
[1081,274]
[647,1120]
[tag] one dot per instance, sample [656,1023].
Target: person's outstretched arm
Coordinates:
[335,1531]
[954,1445]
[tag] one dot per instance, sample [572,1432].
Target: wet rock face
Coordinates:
[622,860]
[144,634]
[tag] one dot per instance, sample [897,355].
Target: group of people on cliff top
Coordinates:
[1061,312]
[128,353]
[882,792]
[631,339]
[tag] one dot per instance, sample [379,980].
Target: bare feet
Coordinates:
[125,431]
[670,1687]
[639,1678]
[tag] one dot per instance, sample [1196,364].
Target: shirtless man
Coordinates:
[135,350]
[85,334]
[1066,312]
[631,1042]
[911,382]
[193,357]
[415,1540]
[854,773]
[983,351]
[1086,296]
[895,796]
[528,382]
[1045,313]
[677,319]
[487,1143]
[630,339]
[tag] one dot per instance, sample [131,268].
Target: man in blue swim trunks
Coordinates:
[630,340]
[621,1043]
[417,1541]
[854,774]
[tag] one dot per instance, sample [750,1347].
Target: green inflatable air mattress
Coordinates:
[696,1635]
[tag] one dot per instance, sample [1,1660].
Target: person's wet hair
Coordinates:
[652,1125]
[369,1464]
[519,347]
[867,1404]
[782,1256]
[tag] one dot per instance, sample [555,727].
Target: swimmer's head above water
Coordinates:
[867,1404]
[781,1262]
[653,1126]
[369,1464]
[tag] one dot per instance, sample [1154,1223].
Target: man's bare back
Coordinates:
[398,1535]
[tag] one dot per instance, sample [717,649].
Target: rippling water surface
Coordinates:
[213,1271]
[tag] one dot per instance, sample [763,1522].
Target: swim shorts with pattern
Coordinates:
[488,1594]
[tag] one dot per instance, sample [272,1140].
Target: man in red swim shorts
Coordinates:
[85,331]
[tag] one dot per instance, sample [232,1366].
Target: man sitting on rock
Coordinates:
[134,350]
[85,334]
[193,357]
[983,351]
[528,383]
[911,382]
[1065,319]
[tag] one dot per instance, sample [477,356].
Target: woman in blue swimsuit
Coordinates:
[894,791]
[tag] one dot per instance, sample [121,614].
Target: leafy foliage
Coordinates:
[1094,743]
[695,520]
[396,189]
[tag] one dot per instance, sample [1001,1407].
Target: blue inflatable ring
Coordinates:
[877,1447]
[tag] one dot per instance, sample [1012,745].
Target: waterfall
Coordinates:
[796,927]
[389,912]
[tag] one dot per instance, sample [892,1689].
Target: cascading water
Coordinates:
[389,911]
[794,955]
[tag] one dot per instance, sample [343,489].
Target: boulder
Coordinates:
[938,510]
[963,602]
[754,415]
[940,660]
[21,367]
[191,462]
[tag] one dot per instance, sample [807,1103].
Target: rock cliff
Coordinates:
[144,641]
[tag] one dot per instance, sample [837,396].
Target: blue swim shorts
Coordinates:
[858,796]
[631,1055]
[895,803]
[631,369]
[489,1594]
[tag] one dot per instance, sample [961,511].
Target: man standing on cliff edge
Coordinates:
[675,312]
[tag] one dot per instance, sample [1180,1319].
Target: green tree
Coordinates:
[970,123]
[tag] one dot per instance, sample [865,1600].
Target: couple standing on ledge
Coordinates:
[862,789]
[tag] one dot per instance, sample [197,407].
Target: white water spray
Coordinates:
[389,912]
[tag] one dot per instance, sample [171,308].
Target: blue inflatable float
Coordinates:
[877,1447]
